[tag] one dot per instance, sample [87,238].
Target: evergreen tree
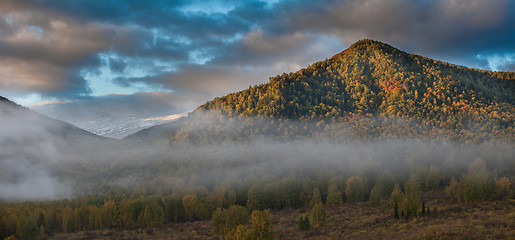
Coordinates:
[42,232]
[375,196]
[153,215]
[395,210]
[262,225]
[67,220]
[318,215]
[253,200]
[454,189]
[334,197]
[235,215]
[261,228]
[502,186]
[107,214]
[218,222]
[395,199]
[433,178]
[315,198]
[191,205]
[411,198]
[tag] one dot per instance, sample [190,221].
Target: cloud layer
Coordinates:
[77,50]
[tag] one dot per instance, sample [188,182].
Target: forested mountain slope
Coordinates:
[371,77]
[371,89]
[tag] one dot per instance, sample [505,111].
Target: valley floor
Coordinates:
[447,220]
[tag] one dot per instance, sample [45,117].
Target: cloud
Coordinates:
[207,80]
[43,51]
[258,44]
[452,30]
[62,42]
[249,62]
[475,13]
[497,62]
[39,76]
[72,49]
[71,46]
[166,118]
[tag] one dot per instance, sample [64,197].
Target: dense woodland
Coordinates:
[372,124]
[374,79]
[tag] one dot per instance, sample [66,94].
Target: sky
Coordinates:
[154,58]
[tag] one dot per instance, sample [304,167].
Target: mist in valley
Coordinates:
[213,150]
[203,166]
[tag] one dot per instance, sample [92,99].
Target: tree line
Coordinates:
[229,205]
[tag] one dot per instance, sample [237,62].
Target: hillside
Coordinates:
[371,78]
[34,149]
[28,120]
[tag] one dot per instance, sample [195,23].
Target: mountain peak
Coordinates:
[367,42]
[368,45]
[374,78]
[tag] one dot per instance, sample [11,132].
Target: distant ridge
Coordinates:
[8,102]
[12,113]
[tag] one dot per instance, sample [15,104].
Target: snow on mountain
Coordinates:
[120,127]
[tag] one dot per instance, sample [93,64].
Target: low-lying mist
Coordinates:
[34,150]
[213,150]
[23,180]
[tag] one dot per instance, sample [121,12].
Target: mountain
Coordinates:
[34,151]
[373,78]
[374,86]
[118,127]
[19,122]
